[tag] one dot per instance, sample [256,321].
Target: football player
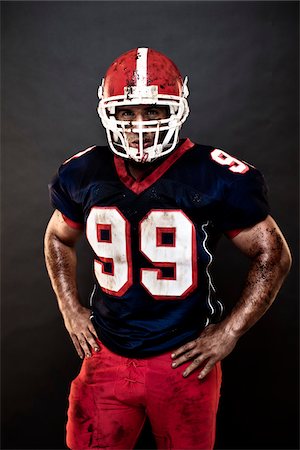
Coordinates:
[153,207]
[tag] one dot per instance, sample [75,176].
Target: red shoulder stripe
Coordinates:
[233,233]
[72,224]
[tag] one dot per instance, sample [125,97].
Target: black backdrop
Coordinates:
[242,62]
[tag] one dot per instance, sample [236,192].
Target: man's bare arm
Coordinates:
[270,258]
[61,261]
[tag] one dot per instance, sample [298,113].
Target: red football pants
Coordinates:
[112,395]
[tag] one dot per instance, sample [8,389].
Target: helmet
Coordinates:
[143,76]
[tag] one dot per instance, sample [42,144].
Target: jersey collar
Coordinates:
[139,186]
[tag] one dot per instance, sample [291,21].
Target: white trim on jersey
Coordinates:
[77,155]
[210,283]
[92,295]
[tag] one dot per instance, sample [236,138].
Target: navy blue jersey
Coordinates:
[153,238]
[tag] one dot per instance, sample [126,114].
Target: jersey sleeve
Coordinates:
[245,202]
[62,193]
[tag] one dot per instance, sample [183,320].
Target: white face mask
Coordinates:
[165,131]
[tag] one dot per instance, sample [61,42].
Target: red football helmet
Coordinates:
[143,76]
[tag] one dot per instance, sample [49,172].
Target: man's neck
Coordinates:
[137,171]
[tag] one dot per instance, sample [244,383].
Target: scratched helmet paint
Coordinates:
[143,76]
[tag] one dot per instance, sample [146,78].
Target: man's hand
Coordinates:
[213,345]
[270,259]
[82,331]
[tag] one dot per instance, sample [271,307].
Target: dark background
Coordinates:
[242,63]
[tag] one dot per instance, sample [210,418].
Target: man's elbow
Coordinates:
[277,257]
[285,261]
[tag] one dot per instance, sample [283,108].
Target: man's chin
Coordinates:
[137,146]
[143,163]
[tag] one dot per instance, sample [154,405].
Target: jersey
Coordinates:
[154,238]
